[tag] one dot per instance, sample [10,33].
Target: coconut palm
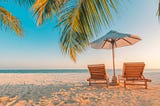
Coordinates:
[8,20]
[45,9]
[80,20]
[158,12]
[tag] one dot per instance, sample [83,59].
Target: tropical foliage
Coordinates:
[158,12]
[80,20]
[7,20]
[44,9]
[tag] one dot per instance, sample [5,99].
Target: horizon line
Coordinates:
[62,68]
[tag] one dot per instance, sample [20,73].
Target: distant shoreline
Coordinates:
[70,69]
[48,71]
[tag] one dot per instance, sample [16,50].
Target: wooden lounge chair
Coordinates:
[98,74]
[132,74]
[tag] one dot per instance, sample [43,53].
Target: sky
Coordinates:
[39,47]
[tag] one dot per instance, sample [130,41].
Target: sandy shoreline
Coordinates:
[73,90]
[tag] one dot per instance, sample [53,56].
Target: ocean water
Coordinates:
[34,71]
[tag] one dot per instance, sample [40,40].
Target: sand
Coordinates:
[73,90]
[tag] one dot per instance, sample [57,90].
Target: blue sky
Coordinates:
[39,48]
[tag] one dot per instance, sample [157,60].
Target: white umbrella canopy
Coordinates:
[120,40]
[114,39]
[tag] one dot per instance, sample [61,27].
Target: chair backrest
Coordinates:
[97,71]
[133,69]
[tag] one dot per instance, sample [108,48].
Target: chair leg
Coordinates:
[124,84]
[89,83]
[119,79]
[145,84]
[107,83]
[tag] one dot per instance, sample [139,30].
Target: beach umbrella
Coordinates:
[114,39]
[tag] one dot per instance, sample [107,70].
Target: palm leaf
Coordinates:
[81,22]
[158,12]
[44,9]
[9,21]
[24,2]
[73,42]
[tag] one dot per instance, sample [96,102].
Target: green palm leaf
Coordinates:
[158,12]
[44,9]
[9,21]
[82,21]
[24,2]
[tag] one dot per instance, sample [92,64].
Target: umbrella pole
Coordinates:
[114,78]
[113,59]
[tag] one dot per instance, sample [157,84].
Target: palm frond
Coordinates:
[73,42]
[8,20]
[24,2]
[82,21]
[44,9]
[158,12]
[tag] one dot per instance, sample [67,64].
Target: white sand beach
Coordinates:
[73,90]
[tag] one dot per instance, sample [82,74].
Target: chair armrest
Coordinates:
[148,80]
[142,77]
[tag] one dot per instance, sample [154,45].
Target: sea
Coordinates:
[47,71]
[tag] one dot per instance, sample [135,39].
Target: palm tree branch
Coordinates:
[8,20]
[81,22]
[158,11]
[24,2]
[44,9]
